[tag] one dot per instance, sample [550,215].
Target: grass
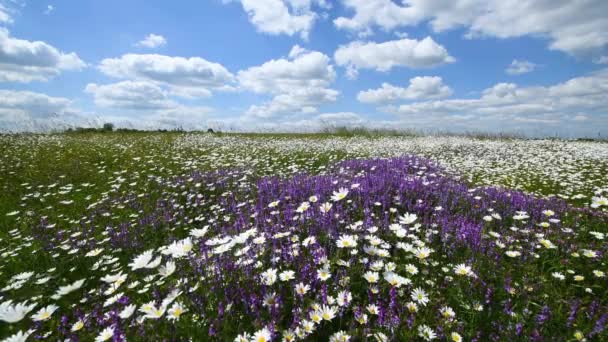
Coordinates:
[143,186]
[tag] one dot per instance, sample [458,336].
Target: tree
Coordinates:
[108,127]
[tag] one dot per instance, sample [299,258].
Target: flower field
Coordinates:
[179,237]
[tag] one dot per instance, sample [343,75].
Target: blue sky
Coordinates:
[535,67]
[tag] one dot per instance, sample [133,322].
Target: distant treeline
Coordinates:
[341,131]
[109,127]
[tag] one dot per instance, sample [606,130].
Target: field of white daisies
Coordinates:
[202,237]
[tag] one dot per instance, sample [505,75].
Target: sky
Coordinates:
[535,67]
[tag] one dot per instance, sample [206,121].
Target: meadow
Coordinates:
[251,237]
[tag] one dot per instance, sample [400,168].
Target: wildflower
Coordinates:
[339,195]
[513,254]
[411,269]
[328,312]
[599,274]
[77,326]
[589,253]
[599,201]
[371,277]
[547,244]
[179,249]
[313,199]
[244,337]
[19,336]
[151,311]
[105,335]
[325,207]
[269,277]
[463,270]
[302,289]
[395,280]
[323,274]
[44,313]
[420,296]
[142,261]
[361,318]
[14,313]
[343,298]
[447,312]
[456,337]
[426,333]
[407,218]
[273,204]
[176,311]
[340,336]
[579,336]
[127,311]
[558,276]
[372,309]
[287,275]
[422,252]
[303,207]
[199,232]
[316,317]
[346,241]
[412,307]
[167,270]
[63,290]
[579,278]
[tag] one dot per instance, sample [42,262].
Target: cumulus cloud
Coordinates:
[296,101]
[425,87]
[518,67]
[384,56]
[135,95]
[298,84]
[283,16]
[5,17]
[574,27]
[146,105]
[26,61]
[306,70]
[152,41]
[507,103]
[37,112]
[190,77]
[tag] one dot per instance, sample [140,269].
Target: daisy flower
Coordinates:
[44,313]
[418,295]
[339,195]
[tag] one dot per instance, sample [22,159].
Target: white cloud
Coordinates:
[190,77]
[134,95]
[146,105]
[152,41]
[307,70]
[5,17]
[297,50]
[26,61]
[518,67]
[574,27]
[37,112]
[297,101]
[385,14]
[507,102]
[49,9]
[384,56]
[425,87]
[282,16]
[298,84]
